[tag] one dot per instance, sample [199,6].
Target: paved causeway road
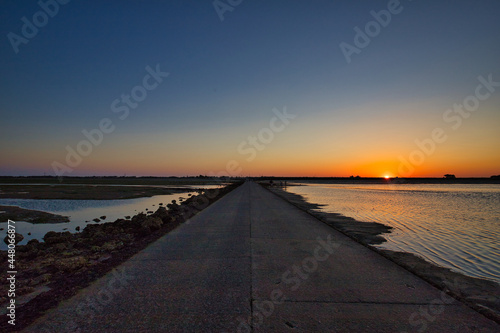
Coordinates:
[253,262]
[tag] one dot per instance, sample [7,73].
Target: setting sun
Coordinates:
[387,177]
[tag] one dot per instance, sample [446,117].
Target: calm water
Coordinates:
[456,226]
[80,211]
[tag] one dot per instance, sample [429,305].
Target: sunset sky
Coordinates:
[260,88]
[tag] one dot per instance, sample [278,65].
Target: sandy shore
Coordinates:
[83,191]
[28,215]
[482,295]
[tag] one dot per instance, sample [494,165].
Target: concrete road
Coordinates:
[253,262]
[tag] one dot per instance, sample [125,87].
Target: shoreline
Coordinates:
[16,213]
[84,191]
[480,294]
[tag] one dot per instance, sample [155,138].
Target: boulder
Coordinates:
[145,224]
[71,264]
[33,242]
[163,214]
[111,246]
[154,223]
[53,237]
[17,238]
[94,235]
[138,219]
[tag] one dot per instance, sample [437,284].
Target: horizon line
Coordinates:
[262,176]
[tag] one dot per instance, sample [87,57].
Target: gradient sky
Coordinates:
[226,77]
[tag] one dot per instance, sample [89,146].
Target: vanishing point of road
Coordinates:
[252,262]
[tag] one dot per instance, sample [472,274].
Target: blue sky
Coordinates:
[225,77]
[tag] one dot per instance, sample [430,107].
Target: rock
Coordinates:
[96,220]
[104,258]
[53,237]
[17,238]
[33,242]
[95,248]
[122,223]
[150,225]
[71,264]
[154,223]
[103,217]
[71,253]
[77,228]
[94,235]
[40,279]
[137,219]
[32,248]
[110,246]
[174,207]
[29,253]
[146,224]
[126,238]
[60,247]
[29,233]
[127,217]
[162,213]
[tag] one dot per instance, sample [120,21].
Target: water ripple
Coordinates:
[456,226]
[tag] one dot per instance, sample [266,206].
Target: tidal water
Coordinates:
[81,212]
[452,225]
